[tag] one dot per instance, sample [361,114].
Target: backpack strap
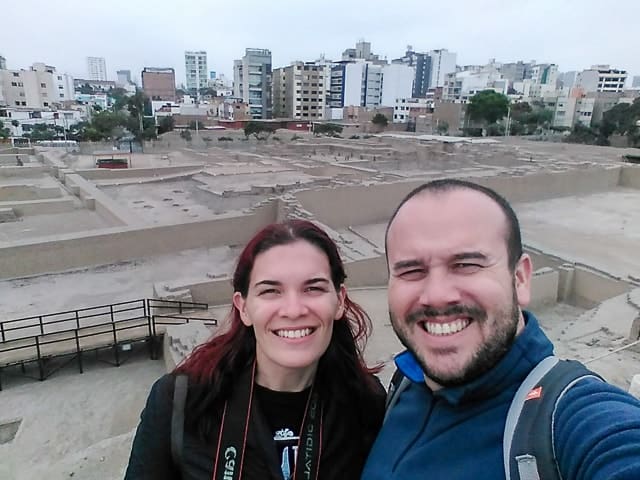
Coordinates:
[528,444]
[177,419]
[398,384]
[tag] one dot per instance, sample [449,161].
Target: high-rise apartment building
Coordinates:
[601,78]
[195,65]
[299,91]
[252,81]
[443,62]
[97,68]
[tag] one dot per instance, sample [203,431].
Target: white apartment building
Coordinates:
[443,62]
[96,68]
[252,81]
[461,86]
[27,118]
[405,108]
[299,91]
[601,78]
[195,66]
[356,83]
[39,87]
[397,82]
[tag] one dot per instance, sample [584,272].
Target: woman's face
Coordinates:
[291,304]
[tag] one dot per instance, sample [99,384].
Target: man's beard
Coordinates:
[484,359]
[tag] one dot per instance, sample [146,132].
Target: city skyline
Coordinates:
[574,35]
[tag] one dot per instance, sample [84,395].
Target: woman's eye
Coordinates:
[315,289]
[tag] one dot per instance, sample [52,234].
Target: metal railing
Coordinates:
[40,338]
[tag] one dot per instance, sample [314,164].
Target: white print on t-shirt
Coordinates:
[288,441]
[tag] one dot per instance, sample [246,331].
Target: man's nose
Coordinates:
[439,290]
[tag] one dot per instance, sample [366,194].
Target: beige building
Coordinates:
[299,91]
[39,87]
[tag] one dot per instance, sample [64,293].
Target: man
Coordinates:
[458,283]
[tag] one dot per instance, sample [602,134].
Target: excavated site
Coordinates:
[78,244]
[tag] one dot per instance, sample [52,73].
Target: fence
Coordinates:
[42,338]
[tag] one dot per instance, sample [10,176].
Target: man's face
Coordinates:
[453,300]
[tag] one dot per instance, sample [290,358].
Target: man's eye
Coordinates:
[412,274]
[268,291]
[466,267]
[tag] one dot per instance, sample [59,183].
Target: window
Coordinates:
[14,84]
[17,103]
[62,95]
[45,104]
[59,77]
[24,104]
[43,85]
[16,74]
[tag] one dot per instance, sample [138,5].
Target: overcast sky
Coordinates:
[132,34]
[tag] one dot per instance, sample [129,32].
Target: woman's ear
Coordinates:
[342,295]
[240,303]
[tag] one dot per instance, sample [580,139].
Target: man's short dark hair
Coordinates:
[514,239]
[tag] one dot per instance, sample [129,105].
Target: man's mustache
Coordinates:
[454,310]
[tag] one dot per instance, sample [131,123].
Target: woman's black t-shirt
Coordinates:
[284,412]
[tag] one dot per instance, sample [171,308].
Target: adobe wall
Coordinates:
[630,177]
[107,173]
[364,204]
[95,199]
[40,207]
[26,171]
[591,287]
[65,252]
[21,192]
[544,287]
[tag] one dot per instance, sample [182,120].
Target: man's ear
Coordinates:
[240,303]
[522,279]
[342,295]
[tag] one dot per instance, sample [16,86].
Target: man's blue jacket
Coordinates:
[456,433]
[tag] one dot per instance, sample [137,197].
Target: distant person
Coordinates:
[458,285]
[19,162]
[285,392]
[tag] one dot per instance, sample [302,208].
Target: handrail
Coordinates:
[109,332]
[77,315]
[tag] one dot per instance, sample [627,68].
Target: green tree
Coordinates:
[622,119]
[380,120]
[166,124]
[582,134]
[42,131]
[329,129]
[259,130]
[186,135]
[488,106]
[138,106]
[4,132]
[119,98]
[442,128]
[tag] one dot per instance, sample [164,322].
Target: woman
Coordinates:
[284,393]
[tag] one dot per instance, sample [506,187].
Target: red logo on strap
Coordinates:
[533,394]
